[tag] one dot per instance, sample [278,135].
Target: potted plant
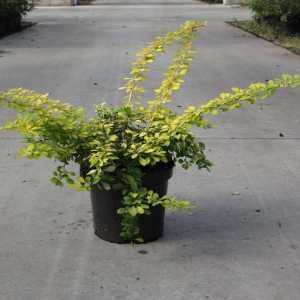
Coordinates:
[126,154]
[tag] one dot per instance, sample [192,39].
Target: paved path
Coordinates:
[146,2]
[243,242]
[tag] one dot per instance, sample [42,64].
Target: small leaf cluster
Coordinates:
[116,146]
[139,203]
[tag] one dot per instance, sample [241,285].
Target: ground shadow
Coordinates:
[223,232]
[3,52]
[24,25]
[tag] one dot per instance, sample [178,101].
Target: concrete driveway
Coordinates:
[242,242]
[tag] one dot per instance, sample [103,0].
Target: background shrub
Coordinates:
[278,12]
[11,12]
[15,7]
[213,1]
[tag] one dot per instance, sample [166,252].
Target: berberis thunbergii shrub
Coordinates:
[119,142]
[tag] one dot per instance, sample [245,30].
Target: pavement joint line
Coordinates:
[149,4]
[253,139]
[137,4]
[205,138]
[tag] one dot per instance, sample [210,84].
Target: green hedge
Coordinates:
[281,12]
[11,12]
[15,7]
[213,1]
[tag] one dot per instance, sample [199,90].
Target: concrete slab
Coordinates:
[145,2]
[242,242]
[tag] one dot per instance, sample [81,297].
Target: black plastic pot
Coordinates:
[107,223]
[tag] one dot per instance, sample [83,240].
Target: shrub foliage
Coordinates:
[120,142]
[15,7]
[285,12]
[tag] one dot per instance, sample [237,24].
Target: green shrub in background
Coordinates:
[213,1]
[15,7]
[11,12]
[278,12]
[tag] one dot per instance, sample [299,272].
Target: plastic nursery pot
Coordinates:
[107,222]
